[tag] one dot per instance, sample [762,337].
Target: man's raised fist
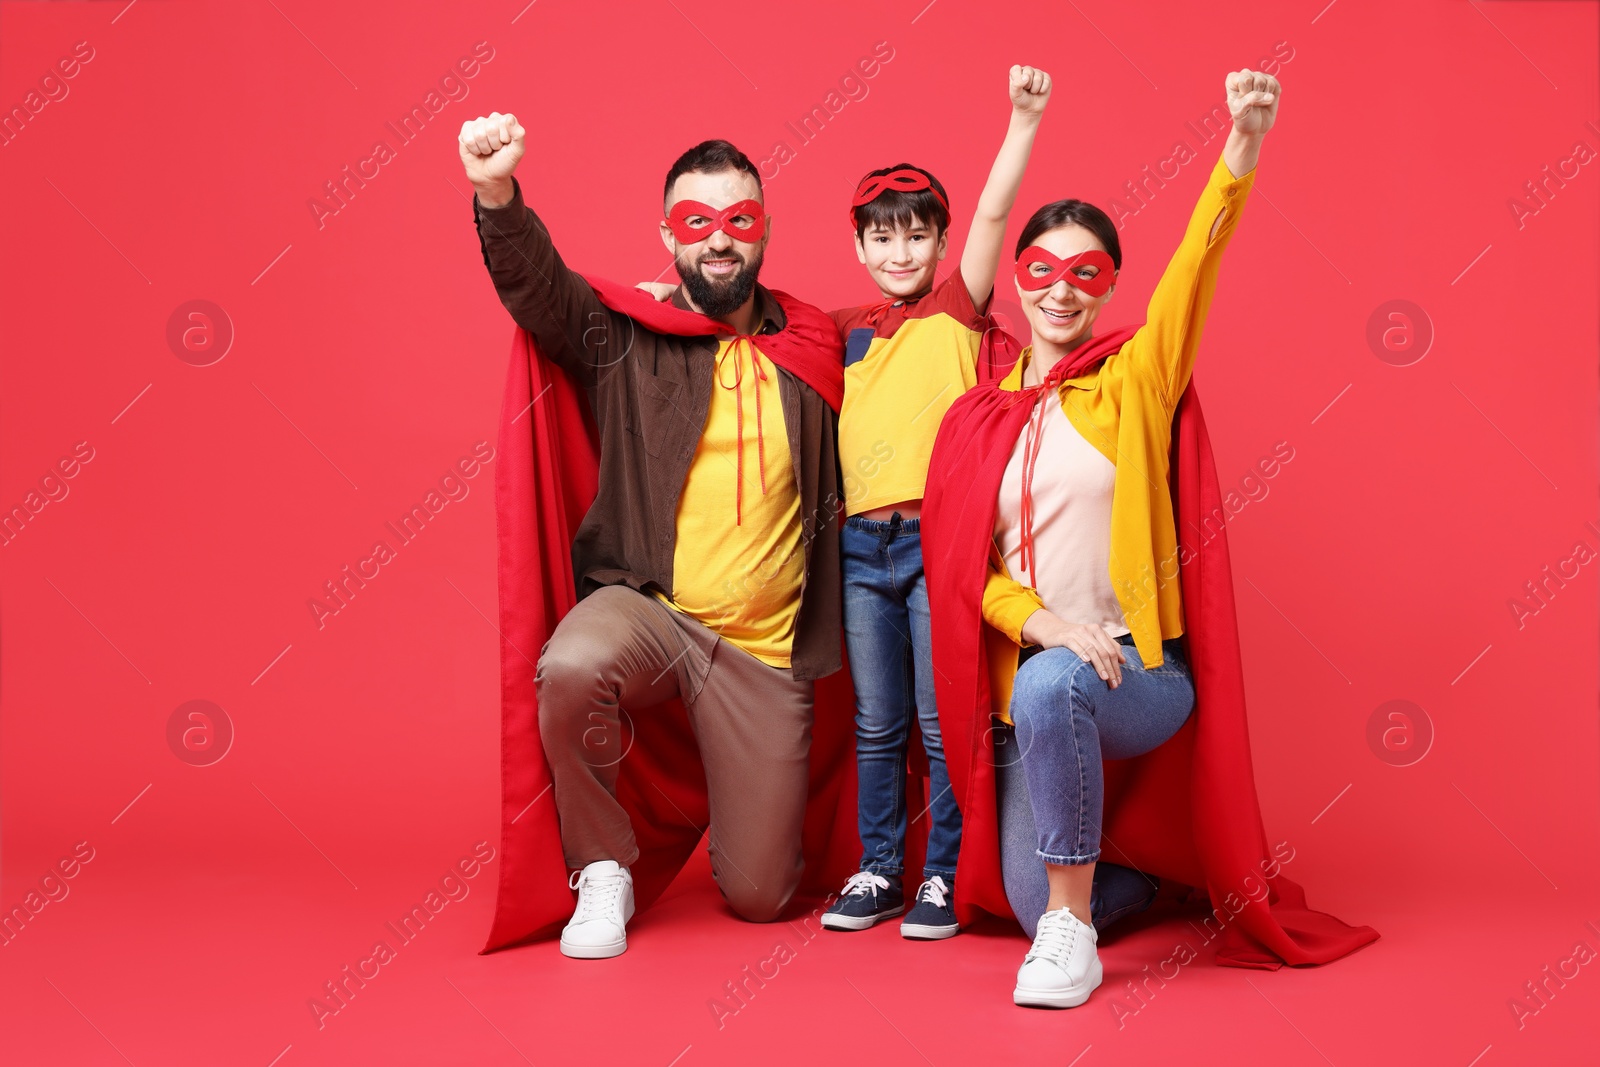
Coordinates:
[491,148]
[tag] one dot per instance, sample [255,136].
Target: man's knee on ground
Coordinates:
[762,903]
[758,906]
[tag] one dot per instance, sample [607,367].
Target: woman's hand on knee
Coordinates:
[1088,640]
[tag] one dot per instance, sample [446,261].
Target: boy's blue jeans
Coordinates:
[1049,778]
[891,666]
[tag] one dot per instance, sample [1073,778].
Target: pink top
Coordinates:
[1072,484]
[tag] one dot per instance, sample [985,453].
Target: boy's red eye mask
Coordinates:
[722,220]
[900,181]
[1065,269]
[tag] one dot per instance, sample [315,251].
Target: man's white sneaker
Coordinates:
[598,928]
[1063,966]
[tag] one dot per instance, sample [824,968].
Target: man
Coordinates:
[707,567]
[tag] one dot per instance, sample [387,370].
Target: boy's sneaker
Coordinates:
[598,928]
[867,898]
[934,916]
[1063,966]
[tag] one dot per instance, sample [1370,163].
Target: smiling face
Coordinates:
[902,261]
[1063,315]
[719,271]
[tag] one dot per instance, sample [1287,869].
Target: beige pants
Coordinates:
[620,647]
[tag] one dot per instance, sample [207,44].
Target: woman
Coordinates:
[1058,476]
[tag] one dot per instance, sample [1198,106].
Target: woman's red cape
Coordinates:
[546,474]
[1186,811]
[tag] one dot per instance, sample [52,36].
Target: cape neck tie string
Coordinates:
[759,373]
[1037,397]
[876,312]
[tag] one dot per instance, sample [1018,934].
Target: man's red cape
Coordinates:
[1186,811]
[546,474]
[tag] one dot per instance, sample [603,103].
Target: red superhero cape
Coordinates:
[1185,811]
[546,475]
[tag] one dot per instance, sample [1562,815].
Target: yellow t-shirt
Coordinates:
[738,564]
[900,376]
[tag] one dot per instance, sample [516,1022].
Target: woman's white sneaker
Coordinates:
[598,928]
[1063,966]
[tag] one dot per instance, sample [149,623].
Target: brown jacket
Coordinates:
[650,393]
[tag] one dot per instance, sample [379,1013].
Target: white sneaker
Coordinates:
[1063,966]
[598,928]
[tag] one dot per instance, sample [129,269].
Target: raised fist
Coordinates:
[1253,101]
[491,147]
[1030,90]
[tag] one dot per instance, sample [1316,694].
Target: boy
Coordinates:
[907,358]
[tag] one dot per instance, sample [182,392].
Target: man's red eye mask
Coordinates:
[1065,269]
[722,220]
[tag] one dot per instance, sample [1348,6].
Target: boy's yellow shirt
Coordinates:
[901,374]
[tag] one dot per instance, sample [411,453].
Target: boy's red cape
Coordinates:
[546,474]
[1186,811]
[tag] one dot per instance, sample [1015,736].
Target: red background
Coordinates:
[368,356]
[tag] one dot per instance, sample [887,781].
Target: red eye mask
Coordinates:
[1064,269]
[900,181]
[722,220]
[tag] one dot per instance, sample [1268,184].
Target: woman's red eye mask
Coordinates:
[1066,269]
[722,220]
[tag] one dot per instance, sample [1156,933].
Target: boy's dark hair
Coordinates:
[1061,213]
[709,157]
[894,210]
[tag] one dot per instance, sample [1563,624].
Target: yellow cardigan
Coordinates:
[1124,407]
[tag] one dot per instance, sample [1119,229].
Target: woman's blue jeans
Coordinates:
[891,666]
[1049,779]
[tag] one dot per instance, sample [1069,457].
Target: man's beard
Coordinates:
[725,295]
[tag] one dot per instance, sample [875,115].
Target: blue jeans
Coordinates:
[1049,778]
[891,666]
